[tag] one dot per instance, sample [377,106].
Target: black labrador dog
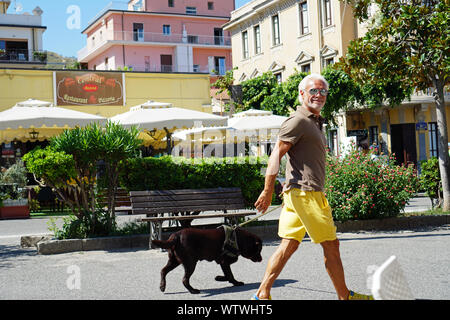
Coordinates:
[188,246]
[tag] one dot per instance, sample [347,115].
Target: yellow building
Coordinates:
[62,87]
[190,91]
[409,131]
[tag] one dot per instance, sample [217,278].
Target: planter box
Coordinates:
[15,209]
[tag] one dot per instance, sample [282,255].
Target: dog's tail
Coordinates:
[169,244]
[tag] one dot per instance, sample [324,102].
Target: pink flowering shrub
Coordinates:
[361,186]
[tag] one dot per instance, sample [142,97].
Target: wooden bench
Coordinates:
[122,200]
[167,205]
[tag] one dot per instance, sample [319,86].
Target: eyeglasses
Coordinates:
[323,92]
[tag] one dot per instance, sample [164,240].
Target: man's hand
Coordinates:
[264,201]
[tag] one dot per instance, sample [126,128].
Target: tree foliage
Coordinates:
[256,90]
[407,46]
[70,165]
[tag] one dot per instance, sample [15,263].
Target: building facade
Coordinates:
[283,36]
[160,36]
[21,44]
[287,35]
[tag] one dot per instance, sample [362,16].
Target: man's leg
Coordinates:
[275,265]
[333,265]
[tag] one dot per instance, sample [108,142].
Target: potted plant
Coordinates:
[13,204]
[40,56]
[13,195]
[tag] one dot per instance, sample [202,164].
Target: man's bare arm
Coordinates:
[273,166]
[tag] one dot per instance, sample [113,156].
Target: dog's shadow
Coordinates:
[246,287]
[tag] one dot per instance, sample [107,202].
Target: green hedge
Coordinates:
[171,173]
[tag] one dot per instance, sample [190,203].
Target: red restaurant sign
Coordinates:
[89,88]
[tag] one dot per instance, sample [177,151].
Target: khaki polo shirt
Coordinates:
[305,167]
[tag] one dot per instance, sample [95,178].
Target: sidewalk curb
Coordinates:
[46,245]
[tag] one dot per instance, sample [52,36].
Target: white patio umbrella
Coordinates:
[255,126]
[159,120]
[39,120]
[256,120]
[259,124]
[153,115]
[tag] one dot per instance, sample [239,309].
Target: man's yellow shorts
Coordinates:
[306,211]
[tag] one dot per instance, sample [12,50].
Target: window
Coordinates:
[138,32]
[245,44]
[166,63]
[327,62]
[210,5]
[196,68]
[170,4]
[373,136]
[327,21]
[192,39]
[191,10]
[278,77]
[218,36]
[333,142]
[306,68]
[257,34]
[304,21]
[275,30]
[106,64]
[166,29]
[219,65]
[432,134]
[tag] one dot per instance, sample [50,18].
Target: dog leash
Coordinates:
[257,217]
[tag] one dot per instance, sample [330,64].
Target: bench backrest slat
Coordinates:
[162,201]
[183,191]
[190,208]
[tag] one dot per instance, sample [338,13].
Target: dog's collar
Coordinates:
[230,246]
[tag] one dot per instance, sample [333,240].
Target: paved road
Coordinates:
[134,274]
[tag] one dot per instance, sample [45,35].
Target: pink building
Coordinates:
[161,36]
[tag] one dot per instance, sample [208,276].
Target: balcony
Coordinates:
[149,38]
[172,38]
[23,56]
[156,67]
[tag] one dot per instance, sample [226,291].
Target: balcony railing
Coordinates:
[149,67]
[138,36]
[22,56]
[152,37]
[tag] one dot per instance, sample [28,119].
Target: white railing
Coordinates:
[172,38]
[150,67]
[152,37]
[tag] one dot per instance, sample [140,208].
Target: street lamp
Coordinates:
[34,134]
